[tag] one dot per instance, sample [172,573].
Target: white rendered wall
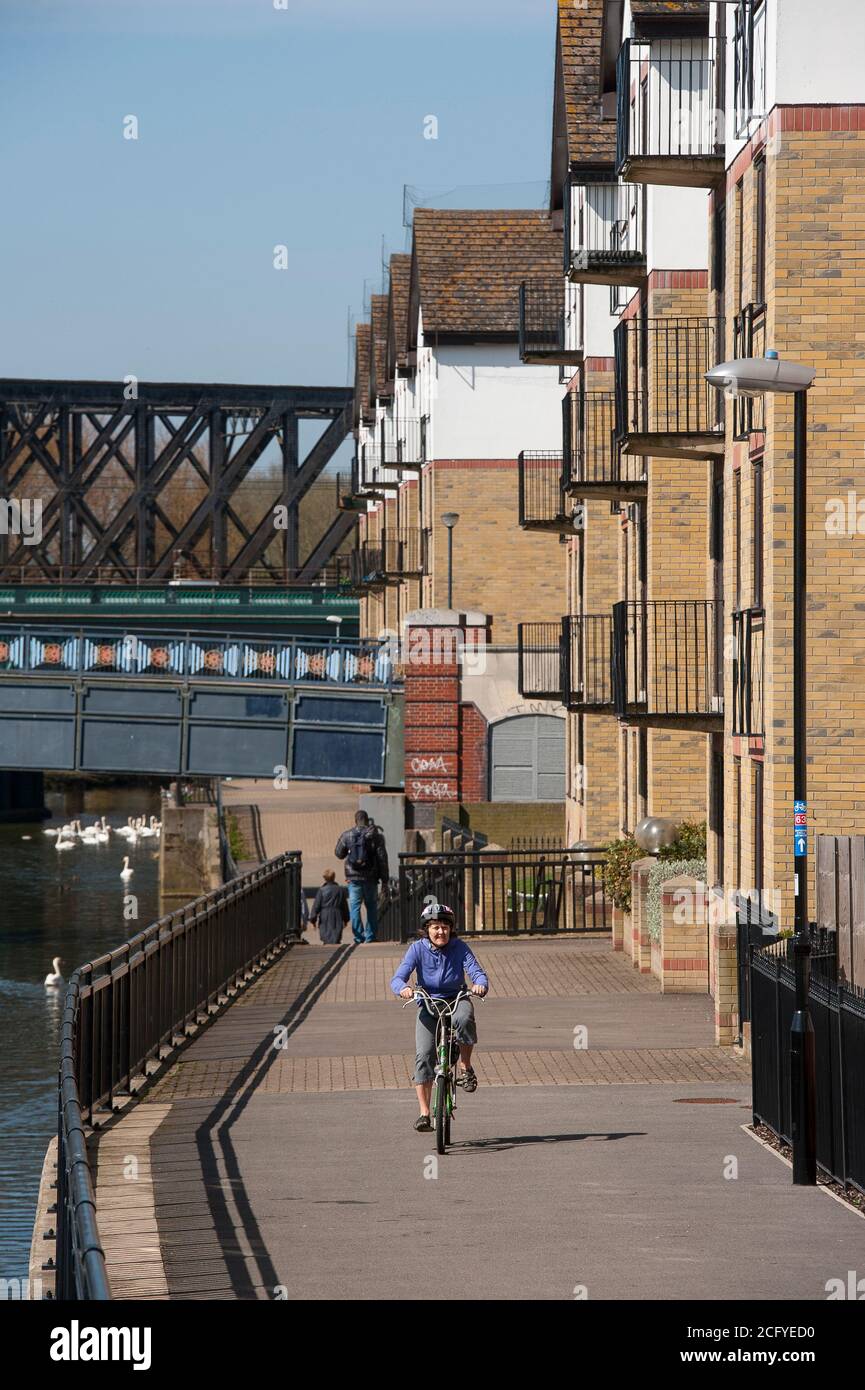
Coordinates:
[599,322]
[814,57]
[489,404]
[677,228]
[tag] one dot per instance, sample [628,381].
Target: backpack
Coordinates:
[362,850]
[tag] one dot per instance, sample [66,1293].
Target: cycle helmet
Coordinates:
[438,912]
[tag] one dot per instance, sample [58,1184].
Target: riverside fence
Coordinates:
[126,1012]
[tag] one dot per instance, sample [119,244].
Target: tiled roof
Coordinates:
[467,268]
[590,139]
[649,9]
[378,365]
[397,312]
[361,372]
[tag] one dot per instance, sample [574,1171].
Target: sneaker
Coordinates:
[469,1080]
[423,1122]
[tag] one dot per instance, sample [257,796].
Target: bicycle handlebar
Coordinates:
[451,1003]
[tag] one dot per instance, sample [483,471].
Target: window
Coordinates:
[737,535]
[749,52]
[643,772]
[740,247]
[737,797]
[760,232]
[757,477]
[716,805]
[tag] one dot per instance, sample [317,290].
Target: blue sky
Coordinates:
[257,127]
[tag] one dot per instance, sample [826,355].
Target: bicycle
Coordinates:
[447,1054]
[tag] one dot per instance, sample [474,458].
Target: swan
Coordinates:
[26,837]
[53,979]
[126,872]
[60,843]
[51,831]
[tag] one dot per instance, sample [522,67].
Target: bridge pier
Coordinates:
[22,796]
[189,858]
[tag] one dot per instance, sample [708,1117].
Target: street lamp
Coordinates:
[450,520]
[756,376]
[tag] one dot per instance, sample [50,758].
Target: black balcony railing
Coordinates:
[605,230]
[664,405]
[395,555]
[539,660]
[668,660]
[587,654]
[409,449]
[550,321]
[670,125]
[594,463]
[749,340]
[748,630]
[543,504]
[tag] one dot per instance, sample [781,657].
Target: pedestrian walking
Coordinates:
[365,855]
[330,909]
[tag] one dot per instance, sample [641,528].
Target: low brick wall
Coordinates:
[684,953]
[640,945]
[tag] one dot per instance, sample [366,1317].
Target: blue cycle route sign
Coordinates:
[800,829]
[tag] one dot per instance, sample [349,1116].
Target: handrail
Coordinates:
[127,1011]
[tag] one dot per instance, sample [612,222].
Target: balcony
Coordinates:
[670,123]
[587,652]
[394,556]
[595,464]
[749,340]
[375,477]
[665,408]
[543,503]
[539,661]
[551,322]
[606,228]
[408,451]
[668,663]
[748,630]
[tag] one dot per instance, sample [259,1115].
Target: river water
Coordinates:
[67,904]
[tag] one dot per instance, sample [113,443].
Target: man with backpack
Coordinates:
[363,850]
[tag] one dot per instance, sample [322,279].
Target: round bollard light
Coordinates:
[654,833]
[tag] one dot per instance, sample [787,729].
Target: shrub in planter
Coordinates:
[620,855]
[663,870]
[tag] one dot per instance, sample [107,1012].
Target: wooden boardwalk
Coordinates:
[276,1158]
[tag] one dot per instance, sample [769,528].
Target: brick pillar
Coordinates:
[640,944]
[444,741]
[684,936]
[725,983]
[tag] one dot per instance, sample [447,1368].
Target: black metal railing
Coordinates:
[660,377]
[838,1016]
[127,1011]
[668,658]
[539,660]
[667,102]
[587,655]
[507,892]
[605,229]
[409,449]
[594,462]
[396,554]
[550,321]
[541,491]
[748,638]
[749,340]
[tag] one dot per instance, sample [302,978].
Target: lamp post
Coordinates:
[757,376]
[450,520]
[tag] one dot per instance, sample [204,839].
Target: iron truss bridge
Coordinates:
[196,704]
[139,478]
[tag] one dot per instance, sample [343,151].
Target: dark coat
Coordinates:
[379,869]
[330,911]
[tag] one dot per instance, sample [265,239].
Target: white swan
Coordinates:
[126,872]
[54,979]
[51,831]
[61,843]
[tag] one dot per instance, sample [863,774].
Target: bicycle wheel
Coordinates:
[440,1106]
[448,1108]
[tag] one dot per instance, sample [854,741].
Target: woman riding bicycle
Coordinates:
[441,962]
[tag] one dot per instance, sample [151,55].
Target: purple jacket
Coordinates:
[440,972]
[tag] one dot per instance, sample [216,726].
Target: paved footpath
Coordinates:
[295,1171]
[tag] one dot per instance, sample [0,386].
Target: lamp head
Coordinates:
[450,519]
[757,376]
